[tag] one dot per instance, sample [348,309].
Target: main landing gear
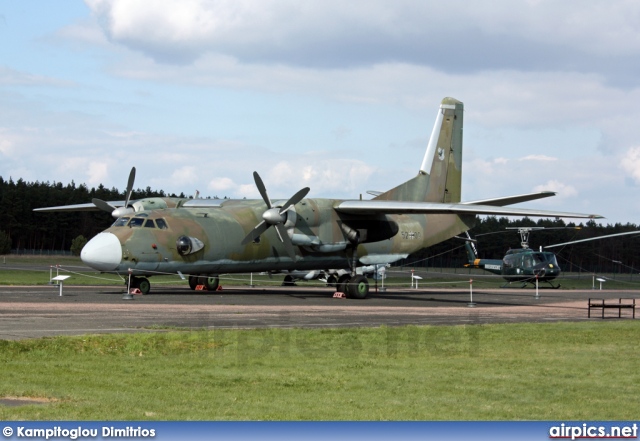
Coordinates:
[141,283]
[210,283]
[355,287]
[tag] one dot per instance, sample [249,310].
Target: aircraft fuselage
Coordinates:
[208,240]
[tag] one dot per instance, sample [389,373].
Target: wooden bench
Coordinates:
[602,304]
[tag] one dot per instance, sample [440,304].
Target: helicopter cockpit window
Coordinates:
[547,258]
[544,257]
[121,222]
[162,224]
[136,222]
[149,223]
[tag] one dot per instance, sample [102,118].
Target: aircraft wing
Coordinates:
[79,207]
[402,207]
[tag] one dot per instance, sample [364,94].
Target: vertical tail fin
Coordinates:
[440,175]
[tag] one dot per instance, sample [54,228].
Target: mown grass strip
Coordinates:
[561,371]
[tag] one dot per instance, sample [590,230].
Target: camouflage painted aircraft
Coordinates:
[208,237]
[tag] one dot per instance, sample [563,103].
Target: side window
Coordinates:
[162,224]
[509,261]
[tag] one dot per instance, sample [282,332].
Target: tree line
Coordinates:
[23,229]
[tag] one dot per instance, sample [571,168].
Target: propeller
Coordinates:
[275,216]
[118,211]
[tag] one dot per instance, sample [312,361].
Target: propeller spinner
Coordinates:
[116,212]
[275,216]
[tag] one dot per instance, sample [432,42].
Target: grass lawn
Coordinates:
[558,371]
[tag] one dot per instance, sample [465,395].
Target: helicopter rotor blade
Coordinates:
[592,238]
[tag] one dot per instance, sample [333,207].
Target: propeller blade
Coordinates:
[286,240]
[262,189]
[275,216]
[253,234]
[132,177]
[104,206]
[295,199]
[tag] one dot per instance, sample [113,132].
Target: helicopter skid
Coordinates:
[524,284]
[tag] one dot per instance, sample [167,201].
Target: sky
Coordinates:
[337,96]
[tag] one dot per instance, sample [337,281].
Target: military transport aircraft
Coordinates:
[208,237]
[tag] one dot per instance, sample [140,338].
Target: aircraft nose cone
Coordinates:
[103,252]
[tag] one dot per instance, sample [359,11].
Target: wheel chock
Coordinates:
[339,295]
[219,288]
[201,288]
[135,291]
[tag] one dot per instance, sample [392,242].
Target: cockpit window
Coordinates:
[136,222]
[121,222]
[140,221]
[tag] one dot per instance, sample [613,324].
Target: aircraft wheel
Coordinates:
[332,282]
[342,283]
[288,281]
[209,282]
[358,287]
[143,285]
[193,282]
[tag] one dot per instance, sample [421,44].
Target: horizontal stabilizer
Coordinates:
[510,200]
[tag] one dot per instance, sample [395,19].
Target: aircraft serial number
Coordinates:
[411,235]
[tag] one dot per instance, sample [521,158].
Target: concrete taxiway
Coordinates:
[39,311]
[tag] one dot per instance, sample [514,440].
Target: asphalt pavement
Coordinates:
[39,311]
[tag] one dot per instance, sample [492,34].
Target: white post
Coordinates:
[59,279]
[127,295]
[471,304]
[537,294]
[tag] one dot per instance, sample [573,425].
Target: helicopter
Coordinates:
[526,265]
[521,265]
